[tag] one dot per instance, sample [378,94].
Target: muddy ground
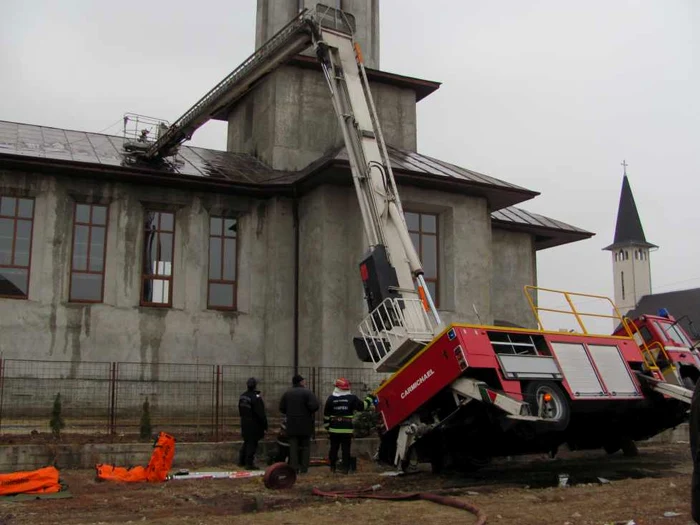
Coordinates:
[522,491]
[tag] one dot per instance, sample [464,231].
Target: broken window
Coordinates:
[423,228]
[88,257]
[222,263]
[158,248]
[16,225]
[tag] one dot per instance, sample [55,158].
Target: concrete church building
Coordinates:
[248,256]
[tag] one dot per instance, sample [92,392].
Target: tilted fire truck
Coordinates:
[458,393]
[475,392]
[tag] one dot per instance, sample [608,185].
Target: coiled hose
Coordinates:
[370,493]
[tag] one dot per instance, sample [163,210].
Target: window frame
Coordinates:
[222,238]
[419,249]
[157,277]
[90,226]
[16,218]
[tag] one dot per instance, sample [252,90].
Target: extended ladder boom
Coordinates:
[292,39]
[402,317]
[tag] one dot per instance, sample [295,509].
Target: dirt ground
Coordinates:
[521,491]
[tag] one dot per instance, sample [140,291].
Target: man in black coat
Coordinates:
[253,423]
[695,453]
[299,404]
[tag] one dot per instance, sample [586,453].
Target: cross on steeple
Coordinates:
[624,166]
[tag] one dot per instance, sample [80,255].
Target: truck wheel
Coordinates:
[548,402]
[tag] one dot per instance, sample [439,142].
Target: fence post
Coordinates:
[113,398]
[2,387]
[217,389]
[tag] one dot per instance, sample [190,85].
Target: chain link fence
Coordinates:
[194,402]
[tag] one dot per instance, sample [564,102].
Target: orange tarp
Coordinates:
[156,470]
[41,481]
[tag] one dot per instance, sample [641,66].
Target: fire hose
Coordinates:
[370,493]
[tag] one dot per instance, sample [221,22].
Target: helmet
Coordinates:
[342,383]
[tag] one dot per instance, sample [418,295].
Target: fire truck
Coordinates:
[460,393]
[475,392]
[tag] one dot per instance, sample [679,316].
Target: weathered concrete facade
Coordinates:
[288,121]
[479,268]
[514,267]
[332,242]
[47,326]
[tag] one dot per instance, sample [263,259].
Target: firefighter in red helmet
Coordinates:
[338,415]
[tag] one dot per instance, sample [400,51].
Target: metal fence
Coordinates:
[191,401]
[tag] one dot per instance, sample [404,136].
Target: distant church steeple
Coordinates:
[630,252]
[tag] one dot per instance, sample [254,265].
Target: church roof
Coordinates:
[79,153]
[678,304]
[546,231]
[628,230]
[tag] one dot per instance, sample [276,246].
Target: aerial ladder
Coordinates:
[402,315]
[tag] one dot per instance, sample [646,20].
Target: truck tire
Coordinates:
[555,409]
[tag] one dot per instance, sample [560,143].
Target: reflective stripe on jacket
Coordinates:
[339,412]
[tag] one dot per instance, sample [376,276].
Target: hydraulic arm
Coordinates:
[402,314]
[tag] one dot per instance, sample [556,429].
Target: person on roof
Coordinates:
[338,415]
[253,423]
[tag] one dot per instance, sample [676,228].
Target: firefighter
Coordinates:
[338,415]
[253,423]
[299,404]
[695,453]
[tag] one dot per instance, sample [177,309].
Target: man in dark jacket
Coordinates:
[299,404]
[338,415]
[695,453]
[253,423]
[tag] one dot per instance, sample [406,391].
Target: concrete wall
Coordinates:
[272,15]
[514,266]
[288,121]
[46,326]
[636,273]
[332,242]
[478,269]
[15,458]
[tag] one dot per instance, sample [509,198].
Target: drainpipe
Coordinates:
[295,220]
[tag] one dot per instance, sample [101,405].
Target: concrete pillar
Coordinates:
[272,15]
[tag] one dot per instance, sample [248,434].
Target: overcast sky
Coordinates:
[551,95]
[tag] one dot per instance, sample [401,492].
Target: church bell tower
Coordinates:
[630,252]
